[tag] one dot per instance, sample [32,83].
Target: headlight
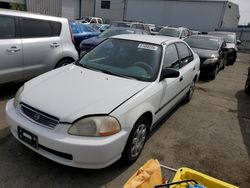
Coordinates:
[210,61]
[95,126]
[17,96]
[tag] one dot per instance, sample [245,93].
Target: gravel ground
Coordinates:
[210,134]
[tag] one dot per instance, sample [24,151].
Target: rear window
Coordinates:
[7,27]
[169,32]
[33,28]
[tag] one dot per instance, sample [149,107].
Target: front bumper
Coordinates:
[207,69]
[86,152]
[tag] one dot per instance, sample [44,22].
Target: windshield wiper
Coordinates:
[115,74]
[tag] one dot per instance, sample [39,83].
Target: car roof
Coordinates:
[148,38]
[30,15]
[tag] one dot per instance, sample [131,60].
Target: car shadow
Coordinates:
[243,104]
[37,171]
[8,91]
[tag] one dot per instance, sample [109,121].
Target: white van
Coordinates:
[31,44]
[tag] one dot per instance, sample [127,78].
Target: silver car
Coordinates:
[31,44]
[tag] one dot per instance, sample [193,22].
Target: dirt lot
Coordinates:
[210,134]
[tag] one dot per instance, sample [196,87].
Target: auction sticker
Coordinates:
[148,46]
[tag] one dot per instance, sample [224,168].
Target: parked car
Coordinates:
[89,44]
[100,27]
[121,24]
[103,107]
[141,26]
[212,52]
[31,44]
[90,19]
[232,44]
[178,32]
[133,24]
[247,85]
[81,32]
[156,30]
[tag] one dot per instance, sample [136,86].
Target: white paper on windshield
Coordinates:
[148,47]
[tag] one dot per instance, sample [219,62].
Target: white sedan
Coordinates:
[101,108]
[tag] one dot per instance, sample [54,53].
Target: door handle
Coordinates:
[13,49]
[193,68]
[181,78]
[54,45]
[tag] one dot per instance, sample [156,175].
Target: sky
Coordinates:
[244,6]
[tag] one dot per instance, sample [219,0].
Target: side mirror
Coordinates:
[238,42]
[83,53]
[169,73]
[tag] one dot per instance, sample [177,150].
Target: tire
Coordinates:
[64,62]
[215,72]
[247,86]
[233,55]
[190,92]
[224,64]
[136,141]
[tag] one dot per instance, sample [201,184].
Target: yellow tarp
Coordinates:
[148,176]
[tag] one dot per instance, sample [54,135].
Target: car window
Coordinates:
[125,58]
[169,32]
[56,26]
[138,26]
[99,20]
[32,28]
[171,59]
[93,21]
[7,27]
[183,34]
[185,53]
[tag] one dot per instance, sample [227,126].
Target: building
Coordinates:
[202,15]
[110,11]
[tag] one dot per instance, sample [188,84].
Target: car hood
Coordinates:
[85,34]
[202,53]
[73,92]
[92,41]
[231,45]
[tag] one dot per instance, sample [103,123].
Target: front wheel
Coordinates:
[247,86]
[64,62]
[215,72]
[136,141]
[190,92]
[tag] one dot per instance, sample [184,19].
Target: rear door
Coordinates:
[42,46]
[11,63]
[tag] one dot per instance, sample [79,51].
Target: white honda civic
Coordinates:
[101,108]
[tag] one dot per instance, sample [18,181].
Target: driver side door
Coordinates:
[170,86]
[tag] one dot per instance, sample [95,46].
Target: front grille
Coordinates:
[38,117]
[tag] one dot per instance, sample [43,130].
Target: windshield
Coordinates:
[169,32]
[112,32]
[229,38]
[125,58]
[203,43]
